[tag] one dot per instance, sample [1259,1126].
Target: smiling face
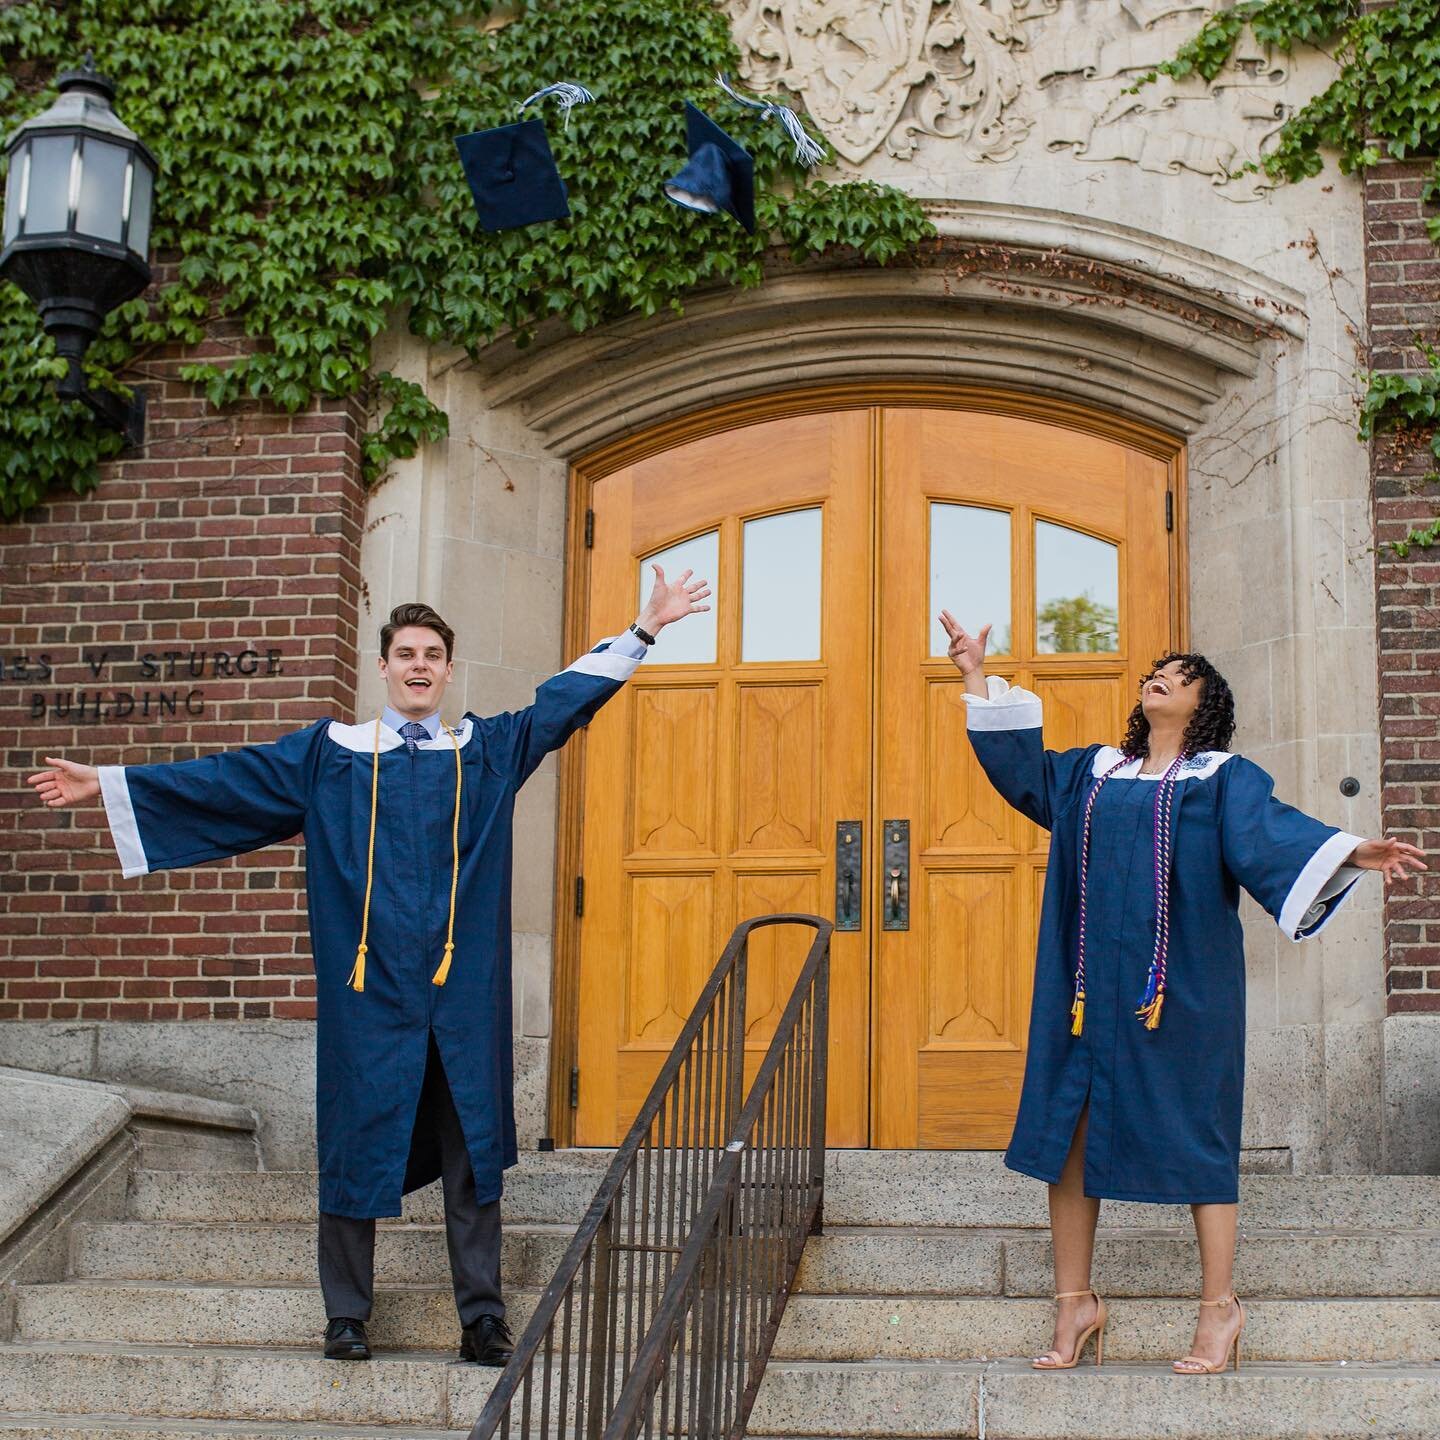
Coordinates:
[416,671]
[1169,698]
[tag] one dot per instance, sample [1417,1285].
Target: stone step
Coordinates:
[554,1188]
[973,1188]
[256,1393]
[1280,1264]
[1009,1401]
[285,1254]
[226,1383]
[816,1327]
[126,1427]
[150,1313]
[937,1188]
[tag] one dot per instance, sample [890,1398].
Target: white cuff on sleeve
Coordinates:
[612,659]
[1004,707]
[115,792]
[1320,888]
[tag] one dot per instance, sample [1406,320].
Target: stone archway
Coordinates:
[1016,298]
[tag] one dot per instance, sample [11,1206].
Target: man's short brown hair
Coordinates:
[415,613]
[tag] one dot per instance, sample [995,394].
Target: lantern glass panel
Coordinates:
[100,209]
[142,186]
[47,205]
[13,181]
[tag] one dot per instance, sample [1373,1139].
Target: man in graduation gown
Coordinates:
[408,829]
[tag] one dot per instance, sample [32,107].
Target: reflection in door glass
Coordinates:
[692,641]
[970,573]
[1077,592]
[780,619]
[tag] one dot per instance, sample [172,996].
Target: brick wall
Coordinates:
[227,552]
[1403,294]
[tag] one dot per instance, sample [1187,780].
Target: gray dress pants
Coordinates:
[472,1231]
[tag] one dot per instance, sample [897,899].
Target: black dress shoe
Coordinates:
[345,1339]
[486,1342]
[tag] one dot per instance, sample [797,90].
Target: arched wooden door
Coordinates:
[817,696]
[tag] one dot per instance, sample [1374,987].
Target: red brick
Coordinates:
[196,542]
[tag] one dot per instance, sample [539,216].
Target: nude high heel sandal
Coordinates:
[1097,1329]
[1206,1368]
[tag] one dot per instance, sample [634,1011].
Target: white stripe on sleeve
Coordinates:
[1005,707]
[1320,882]
[610,663]
[115,791]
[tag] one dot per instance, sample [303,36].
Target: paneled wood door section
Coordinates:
[714,782]
[1007,514]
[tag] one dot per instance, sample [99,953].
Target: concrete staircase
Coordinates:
[197,1313]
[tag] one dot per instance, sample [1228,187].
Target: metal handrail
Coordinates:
[669,1296]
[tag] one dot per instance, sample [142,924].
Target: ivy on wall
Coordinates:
[310,191]
[1384,101]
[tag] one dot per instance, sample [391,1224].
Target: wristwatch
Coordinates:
[645,635]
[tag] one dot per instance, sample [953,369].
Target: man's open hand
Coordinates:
[66,783]
[672,600]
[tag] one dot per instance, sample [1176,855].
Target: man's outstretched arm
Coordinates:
[162,817]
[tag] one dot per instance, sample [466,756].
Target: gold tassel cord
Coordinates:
[357,975]
[1077,1014]
[1151,1012]
[443,973]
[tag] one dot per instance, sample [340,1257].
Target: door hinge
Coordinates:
[575,1087]
[589,529]
[579,896]
[1169,510]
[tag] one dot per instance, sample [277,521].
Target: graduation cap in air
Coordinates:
[511,172]
[720,174]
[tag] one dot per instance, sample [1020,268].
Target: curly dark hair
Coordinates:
[1211,727]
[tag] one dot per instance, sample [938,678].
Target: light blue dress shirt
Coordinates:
[394,719]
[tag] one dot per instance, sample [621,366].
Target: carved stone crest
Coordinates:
[876,72]
[994,75]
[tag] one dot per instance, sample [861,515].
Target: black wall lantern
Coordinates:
[77,226]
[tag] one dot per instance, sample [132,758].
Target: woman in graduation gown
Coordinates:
[1135,1069]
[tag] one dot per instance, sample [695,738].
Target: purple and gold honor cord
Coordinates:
[1153,1000]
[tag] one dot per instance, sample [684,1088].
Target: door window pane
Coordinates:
[1077,592]
[781,615]
[970,573]
[690,641]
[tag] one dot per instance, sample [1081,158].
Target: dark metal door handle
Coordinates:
[897,871]
[849,858]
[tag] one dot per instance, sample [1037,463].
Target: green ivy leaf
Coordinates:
[310,191]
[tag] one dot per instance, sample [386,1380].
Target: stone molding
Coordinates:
[1028,300]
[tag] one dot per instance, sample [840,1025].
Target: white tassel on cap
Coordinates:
[808,151]
[567,94]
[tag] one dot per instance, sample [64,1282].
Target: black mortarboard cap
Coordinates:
[720,175]
[513,176]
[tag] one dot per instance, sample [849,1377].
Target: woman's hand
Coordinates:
[967,652]
[1395,859]
[66,783]
[672,600]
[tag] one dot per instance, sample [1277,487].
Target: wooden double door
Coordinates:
[802,747]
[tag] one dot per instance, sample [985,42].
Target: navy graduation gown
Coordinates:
[1165,1104]
[371,1045]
